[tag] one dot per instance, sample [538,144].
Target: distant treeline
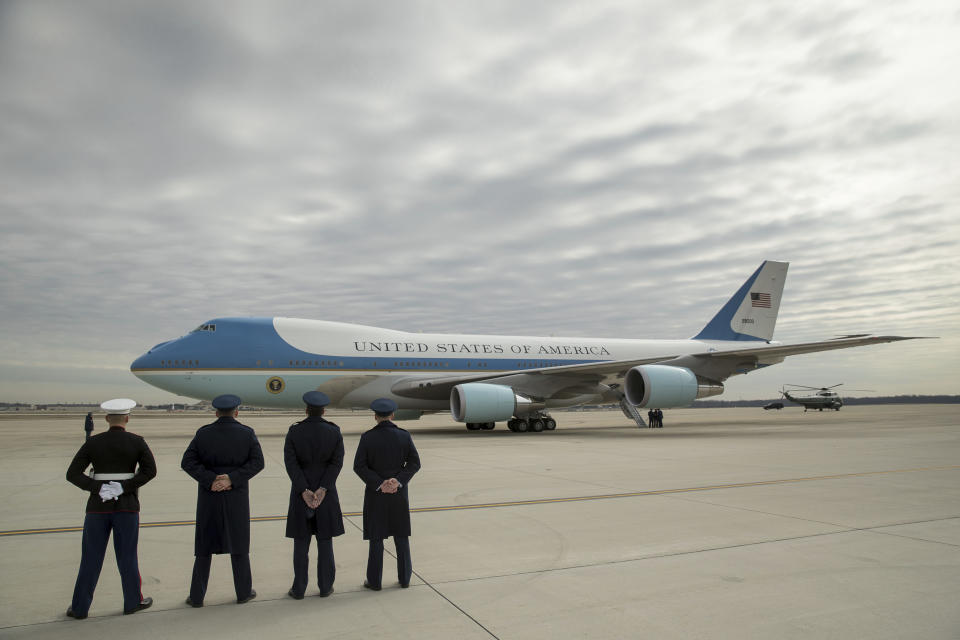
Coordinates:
[847,401]
[704,404]
[88,406]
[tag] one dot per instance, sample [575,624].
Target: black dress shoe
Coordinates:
[367,585]
[326,593]
[195,605]
[404,585]
[144,604]
[293,594]
[250,596]
[75,616]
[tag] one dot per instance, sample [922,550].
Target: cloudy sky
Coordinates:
[611,169]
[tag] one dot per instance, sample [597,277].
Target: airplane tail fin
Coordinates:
[751,314]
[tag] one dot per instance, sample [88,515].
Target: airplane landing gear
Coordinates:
[477,426]
[535,423]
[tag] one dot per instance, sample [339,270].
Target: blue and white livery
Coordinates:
[480,379]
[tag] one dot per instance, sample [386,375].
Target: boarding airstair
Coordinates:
[631,412]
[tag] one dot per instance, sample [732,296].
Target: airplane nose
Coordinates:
[140,363]
[149,360]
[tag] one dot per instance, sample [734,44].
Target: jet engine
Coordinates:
[657,385]
[480,402]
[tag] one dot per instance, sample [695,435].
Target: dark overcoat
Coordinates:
[313,455]
[113,451]
[385,452]
[223,517]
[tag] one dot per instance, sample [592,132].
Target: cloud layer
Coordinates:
[591,168]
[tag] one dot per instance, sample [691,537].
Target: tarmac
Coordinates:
[727,523]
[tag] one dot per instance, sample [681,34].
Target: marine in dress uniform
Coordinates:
[313,456]
[122,463]
[222,457]
[386,460]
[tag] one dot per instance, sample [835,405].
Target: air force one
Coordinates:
[480,379]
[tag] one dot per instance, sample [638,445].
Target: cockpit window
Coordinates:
[205,327]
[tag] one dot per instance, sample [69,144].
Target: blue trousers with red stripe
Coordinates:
[96,532]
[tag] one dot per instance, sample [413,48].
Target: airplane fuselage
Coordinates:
[271,362]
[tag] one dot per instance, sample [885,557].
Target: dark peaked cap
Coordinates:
[316,399]
[226,402]
[383,405]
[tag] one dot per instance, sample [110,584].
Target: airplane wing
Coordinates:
[783,350]
[567,381]
[720,364]
[546,382]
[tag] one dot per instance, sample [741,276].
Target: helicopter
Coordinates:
[821,398]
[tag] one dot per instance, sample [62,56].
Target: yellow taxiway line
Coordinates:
[518,503]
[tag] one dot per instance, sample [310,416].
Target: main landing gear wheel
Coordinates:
[533,423]
[477,426]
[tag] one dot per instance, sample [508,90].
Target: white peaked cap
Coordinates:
[119,406]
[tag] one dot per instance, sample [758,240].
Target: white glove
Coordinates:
[111,490]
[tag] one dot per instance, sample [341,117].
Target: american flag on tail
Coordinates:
[760,300]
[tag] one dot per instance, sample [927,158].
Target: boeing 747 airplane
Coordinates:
[480,379]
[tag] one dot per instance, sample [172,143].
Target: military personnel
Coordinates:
[313,455]
[386,460]
[651,419]
[122,463]
[88,424]
[222,457]
[659,413]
